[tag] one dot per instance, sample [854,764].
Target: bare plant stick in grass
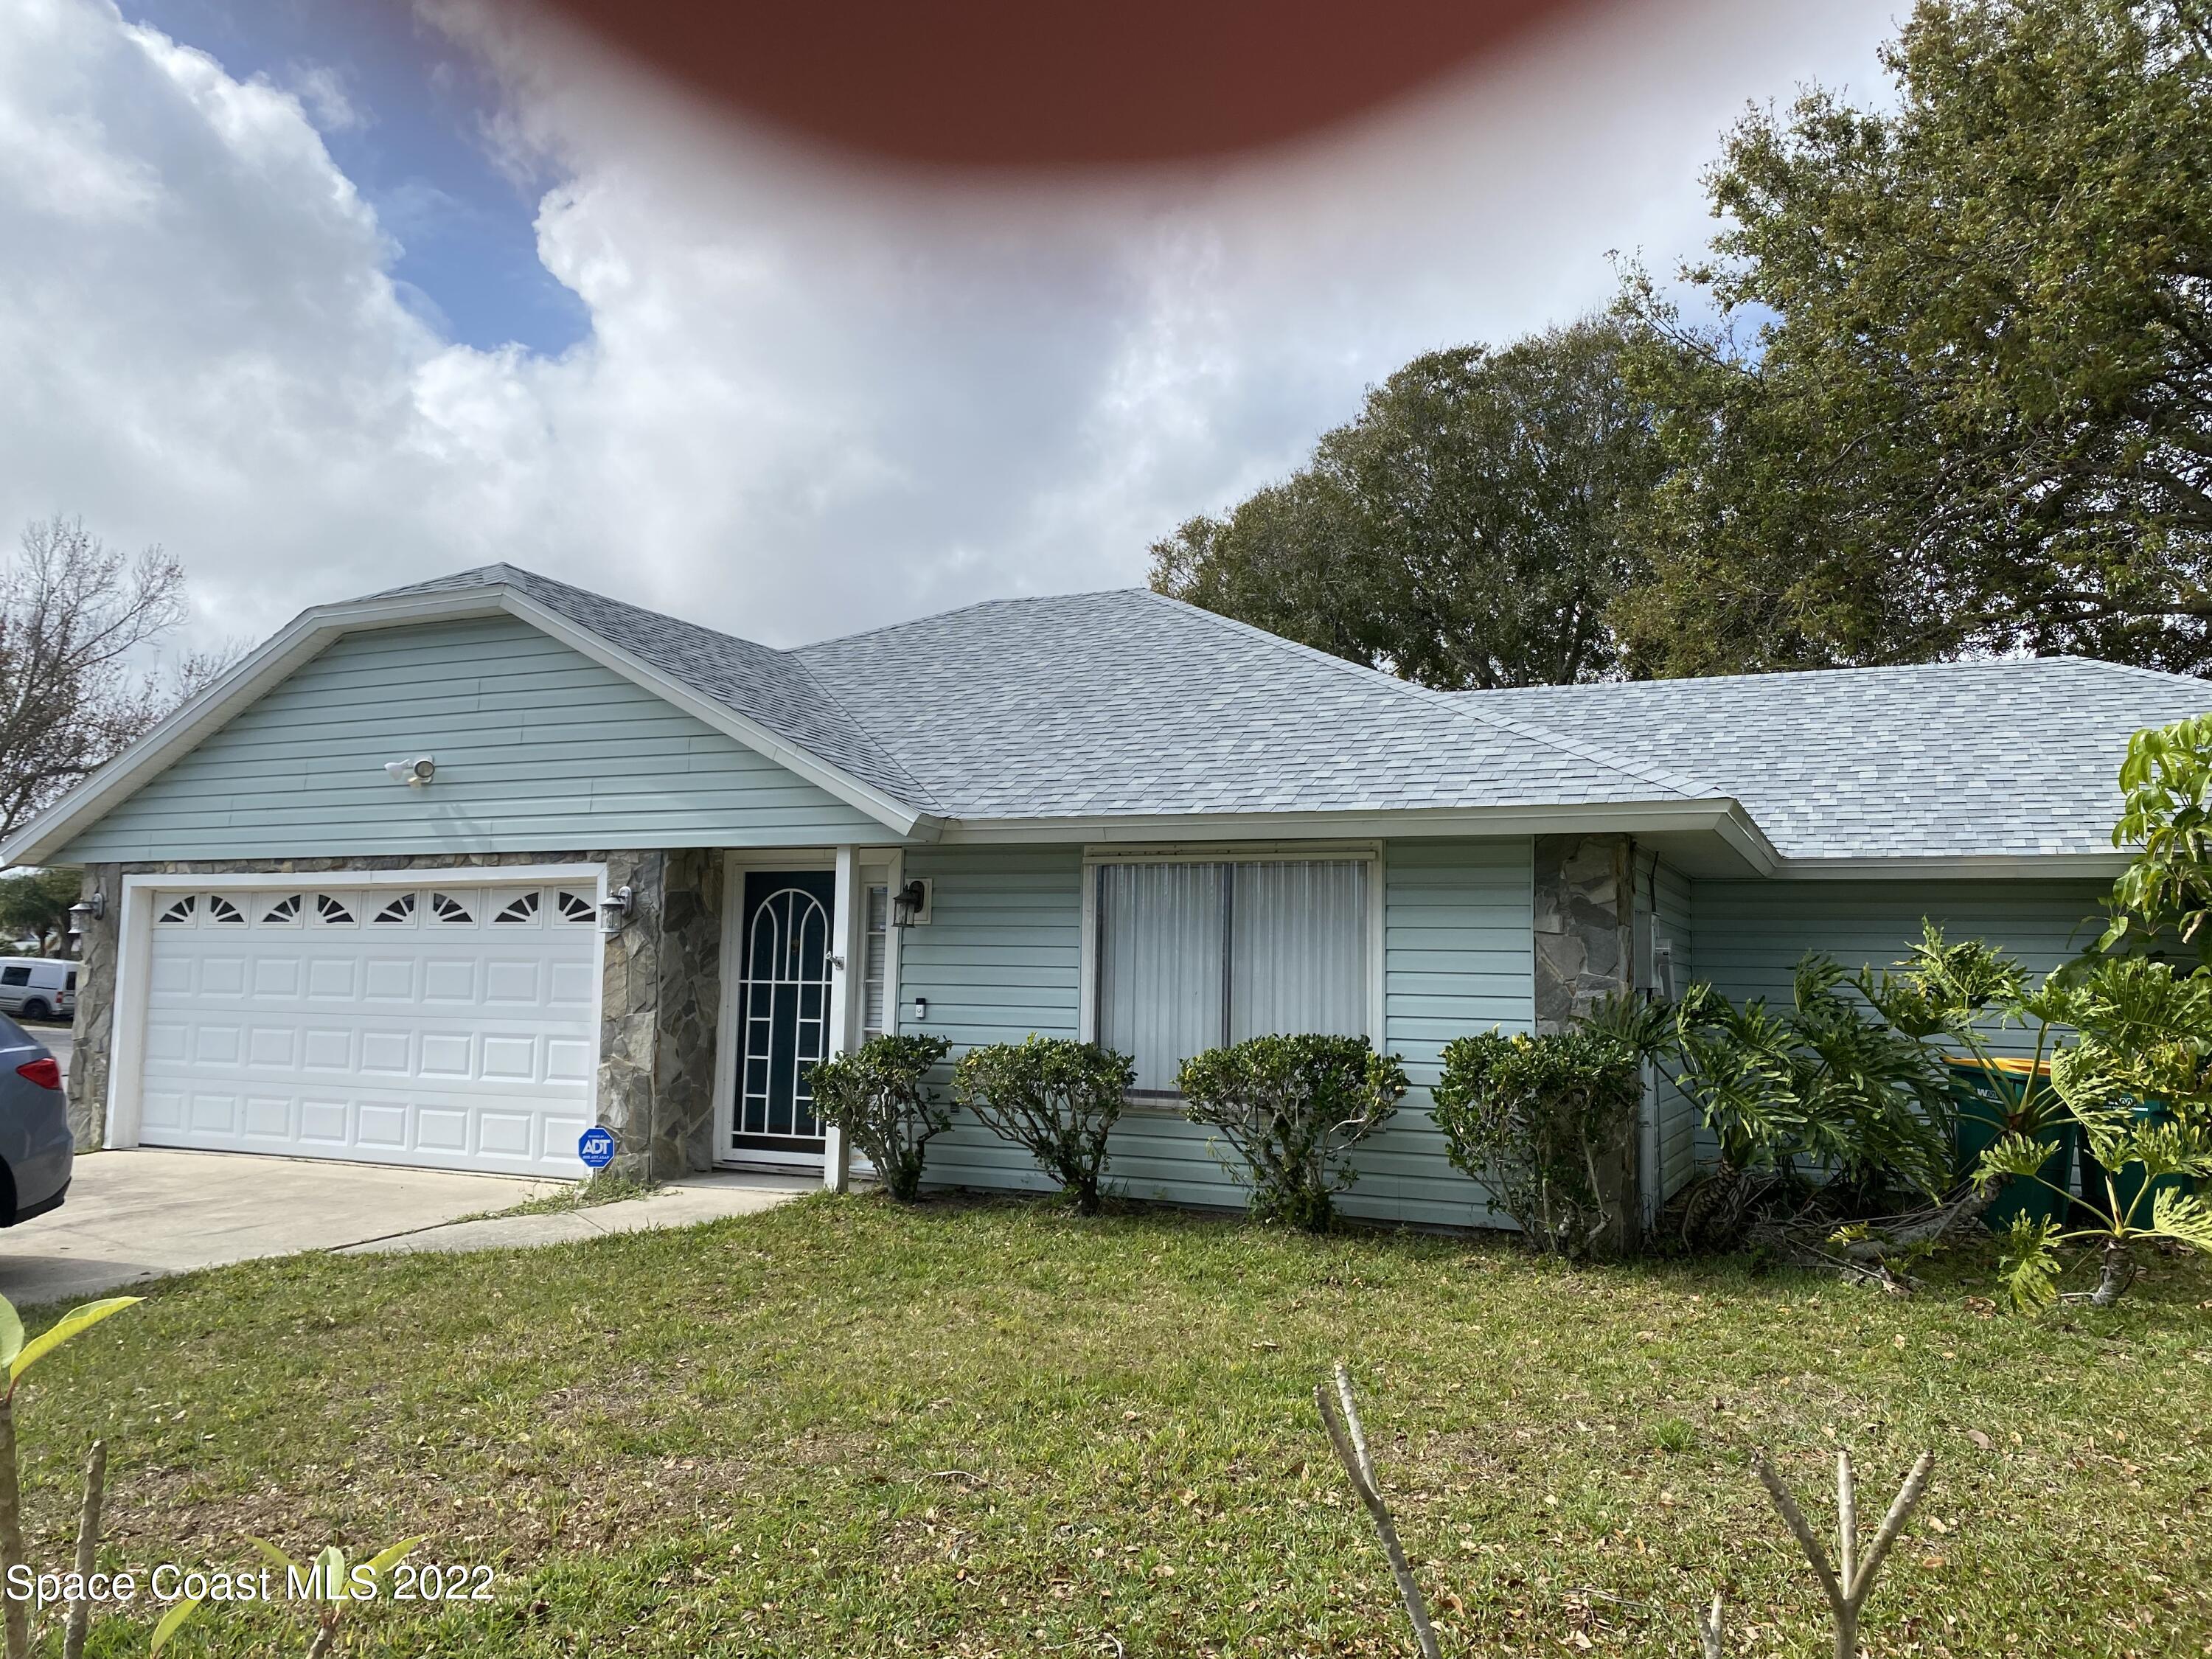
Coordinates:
[1846,1581]
[1340,1418]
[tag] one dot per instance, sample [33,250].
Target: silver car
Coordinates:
[36,1150]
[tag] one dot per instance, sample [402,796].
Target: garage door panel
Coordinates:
[167,1040]
[160,1111]
[273,1048]
[387,1054]
[380,1125]
[506,1134]
[268,1117]
[324,1123]
[222,976]
[331,979]
[211,1113]
[443,1037]
[390,979]
[275,978]
[511,1060]
[440,1130]
[568,1060]
[575,984]
[447,1055]
[217,1042]
[449,980]
[509,982]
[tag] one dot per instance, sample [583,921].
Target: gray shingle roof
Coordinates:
[766,685]
[1127,703]
[2017,756]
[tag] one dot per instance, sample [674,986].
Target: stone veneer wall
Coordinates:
[658,1009]
[1586,937]
[1584,918]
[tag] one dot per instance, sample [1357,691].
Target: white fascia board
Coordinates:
[306,635]
[1989,866]
[1721,817]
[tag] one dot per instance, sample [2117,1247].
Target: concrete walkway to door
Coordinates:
[139,1215]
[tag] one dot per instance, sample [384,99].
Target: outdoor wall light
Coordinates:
[87,909]
[616,908]
[910,905]
[414,773]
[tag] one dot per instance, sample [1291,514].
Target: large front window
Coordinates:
[1194,955]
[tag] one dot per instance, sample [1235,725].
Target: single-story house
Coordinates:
[445,875]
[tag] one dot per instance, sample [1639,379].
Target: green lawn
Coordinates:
[839,1429]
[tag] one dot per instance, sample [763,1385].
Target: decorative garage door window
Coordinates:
[389,1023]
[783,1009]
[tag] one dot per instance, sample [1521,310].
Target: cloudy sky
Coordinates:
[325,298]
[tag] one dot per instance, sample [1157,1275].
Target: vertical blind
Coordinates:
[876,960]
[1194,955]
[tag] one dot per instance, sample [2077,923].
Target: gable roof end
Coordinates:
[744,698]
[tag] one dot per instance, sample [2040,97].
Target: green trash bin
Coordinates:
[1989,1098]
[2128,1179]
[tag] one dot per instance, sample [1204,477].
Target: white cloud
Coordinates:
[322,93]
[810,401]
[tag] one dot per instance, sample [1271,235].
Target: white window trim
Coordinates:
[1369,853]
[134,952]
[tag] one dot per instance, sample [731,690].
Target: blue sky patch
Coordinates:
[401,112]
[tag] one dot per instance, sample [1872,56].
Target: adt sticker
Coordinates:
[596,1147]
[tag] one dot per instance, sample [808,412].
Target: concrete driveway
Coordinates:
[140,1214]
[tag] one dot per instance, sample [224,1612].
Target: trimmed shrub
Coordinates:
[1293,1106]
[1056,1097]
[1529,1119]
[877,1096]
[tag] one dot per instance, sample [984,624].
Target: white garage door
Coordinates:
[449,1026]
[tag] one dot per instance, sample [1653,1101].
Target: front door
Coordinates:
[783,1009]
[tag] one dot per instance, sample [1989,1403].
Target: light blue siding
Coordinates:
[1458,958]
[538,748]
[1751,934]
[1002,957]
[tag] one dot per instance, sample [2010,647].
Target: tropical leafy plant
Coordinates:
[1534,1121]
[2166,816]
[879,1096]
[2136,1159]
[2142,1033]
[1055,1097]
[1827,1083]
[1293,1106]
[19,1356]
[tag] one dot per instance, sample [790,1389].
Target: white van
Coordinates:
[37,988]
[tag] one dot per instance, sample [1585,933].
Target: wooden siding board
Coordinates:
[538,747]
